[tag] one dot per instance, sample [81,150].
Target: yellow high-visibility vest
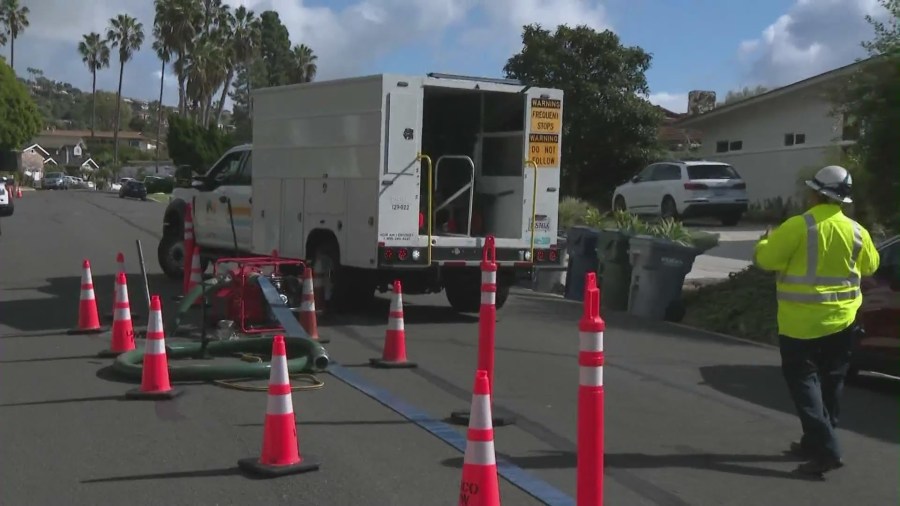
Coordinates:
[820,257]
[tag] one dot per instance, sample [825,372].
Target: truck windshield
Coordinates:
[712,172]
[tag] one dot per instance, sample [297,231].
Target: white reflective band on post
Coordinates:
[590,341]
[489,298]
[480,453]
[308,285]
[395,323]
[481,408]
[122,314]
[279,374]
[590,376]
[155,347]
[818,297]
[87,294]
[308,305]
[489,277]
[812,260]
[279,404]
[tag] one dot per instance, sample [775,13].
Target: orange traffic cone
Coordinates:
[281,448]
[394,352]
[120,263]
[88,320]
[308,307]
[122,330]
[196,274]
[480,485]
[155,372]
[18,193]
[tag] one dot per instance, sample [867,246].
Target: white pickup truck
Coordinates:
[339,174]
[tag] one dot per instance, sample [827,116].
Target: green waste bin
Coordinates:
[658,271]
[613,269]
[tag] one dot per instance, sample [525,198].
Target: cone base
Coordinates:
[81,332]
[111,354]
[253,466]
[462,418]
[380,363]
[165,395]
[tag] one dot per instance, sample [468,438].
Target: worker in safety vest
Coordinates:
[819,257]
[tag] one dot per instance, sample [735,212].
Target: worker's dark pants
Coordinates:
[815,370]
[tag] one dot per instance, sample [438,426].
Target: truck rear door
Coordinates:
[544,113]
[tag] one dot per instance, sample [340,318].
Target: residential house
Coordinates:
[773,138]
[63,151]
[132,139]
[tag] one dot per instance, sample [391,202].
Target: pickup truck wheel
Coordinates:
[170,254]
[463,289]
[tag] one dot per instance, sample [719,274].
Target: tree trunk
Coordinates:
[221,104]
[159,109]
[118,111]
[12,53]
[249,100]
[93,102]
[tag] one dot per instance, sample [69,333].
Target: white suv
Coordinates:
[686,189]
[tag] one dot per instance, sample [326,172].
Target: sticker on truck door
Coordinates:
[541,229]
[546,127]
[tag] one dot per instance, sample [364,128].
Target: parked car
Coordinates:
[878,349]
[157,184]
[685,189]
[118,184]
[55,181]
[133,189]
[7,207]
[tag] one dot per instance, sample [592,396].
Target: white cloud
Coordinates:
[675,102]
[814,36]
[348,39]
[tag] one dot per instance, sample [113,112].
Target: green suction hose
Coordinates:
[309,357]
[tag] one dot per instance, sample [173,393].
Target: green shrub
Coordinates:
[572,212]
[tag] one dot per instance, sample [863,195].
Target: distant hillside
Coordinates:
[64,106]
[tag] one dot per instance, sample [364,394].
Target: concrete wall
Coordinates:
[770,168]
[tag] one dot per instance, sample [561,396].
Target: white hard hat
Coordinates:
[834,182]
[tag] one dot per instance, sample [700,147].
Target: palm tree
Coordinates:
[95,54]
[304,70]
[180,19]
[15,21]
[245,33]
[206,69]
[163,53]
[127,34]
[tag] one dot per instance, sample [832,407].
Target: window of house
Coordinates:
[793,139]
[736,146]
[788,139]
[721,146]
[799,138]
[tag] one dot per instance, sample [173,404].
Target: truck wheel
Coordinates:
[170,254]
[345,289]
[463,290]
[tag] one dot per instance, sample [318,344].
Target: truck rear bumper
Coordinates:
[400,257]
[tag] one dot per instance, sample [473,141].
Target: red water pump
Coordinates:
[241,300]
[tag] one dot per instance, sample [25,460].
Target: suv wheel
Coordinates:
[619,204]
[731,220]
[667,209]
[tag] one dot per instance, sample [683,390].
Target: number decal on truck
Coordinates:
[400,207]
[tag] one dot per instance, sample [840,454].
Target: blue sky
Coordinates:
[714,45]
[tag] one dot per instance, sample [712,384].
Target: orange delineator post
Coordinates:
[590,398]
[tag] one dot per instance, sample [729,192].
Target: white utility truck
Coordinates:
[386,177]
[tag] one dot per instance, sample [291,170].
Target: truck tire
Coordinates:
[346,289]
[170,254]
[463,290]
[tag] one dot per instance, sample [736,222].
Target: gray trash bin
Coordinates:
[581,243]
[659,269]
[613,269]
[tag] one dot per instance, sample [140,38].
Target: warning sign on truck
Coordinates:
[546,127]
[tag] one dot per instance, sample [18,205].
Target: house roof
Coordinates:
[86,134]
[817,80]
[54,142]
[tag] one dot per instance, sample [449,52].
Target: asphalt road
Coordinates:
[691,418]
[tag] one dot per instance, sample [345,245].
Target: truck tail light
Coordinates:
[539,254]
[402,253]
[553,255]
[695,186]
[388,253]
